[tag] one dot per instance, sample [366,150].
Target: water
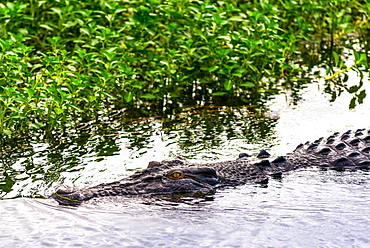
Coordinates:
[306,208]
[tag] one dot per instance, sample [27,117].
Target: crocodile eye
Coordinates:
[175,175]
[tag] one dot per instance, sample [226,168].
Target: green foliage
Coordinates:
[64,60]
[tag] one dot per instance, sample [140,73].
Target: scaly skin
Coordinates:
[347,151]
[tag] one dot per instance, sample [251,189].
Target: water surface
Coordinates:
[306,208]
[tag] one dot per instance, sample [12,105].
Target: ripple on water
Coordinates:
[307,208]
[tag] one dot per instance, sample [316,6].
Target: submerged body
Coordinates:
[347,151]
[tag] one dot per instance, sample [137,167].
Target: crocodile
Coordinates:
[340,151]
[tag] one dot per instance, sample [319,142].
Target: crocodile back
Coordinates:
[347,151]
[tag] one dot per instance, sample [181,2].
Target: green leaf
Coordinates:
[30,92]
[128,96]
[58,111]
[219,93]
[85,31]
[248,84]
[203,57]
[46,27]
[213,68]
[253,68]
[352,104]
[137,85]
[7,132]
[361,97]
[345,78]
[210,69]
[228,85]
[36,125]
[57,10]
[363,57]
[148,96]
[74,107]
[239,73]
[91,98]
[236,19]
[107,95]
[336,58]
[224,37]
[353,89]
[356,54]
[17,79]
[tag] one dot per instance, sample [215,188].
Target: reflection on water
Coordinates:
[37,166]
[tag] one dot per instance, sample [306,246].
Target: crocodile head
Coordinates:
[160,178]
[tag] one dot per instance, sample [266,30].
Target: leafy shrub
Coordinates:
[66,60]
